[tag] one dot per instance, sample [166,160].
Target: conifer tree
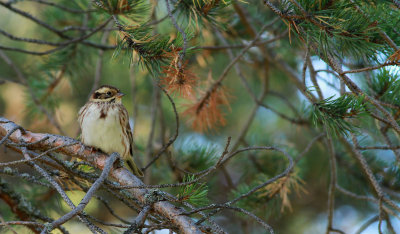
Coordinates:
[269,116]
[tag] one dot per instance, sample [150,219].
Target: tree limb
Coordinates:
[121,175]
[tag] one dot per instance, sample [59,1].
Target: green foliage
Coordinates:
[196,156]
[200,11]
[391,177]
[336,27]
[195,193]
[62,19]
[258,203]
[75,59]
[153,51]
[385,85]
[334,114]
[70,62]
[39,84]
[251,202]
[23,203]
[135,10]
[387,17]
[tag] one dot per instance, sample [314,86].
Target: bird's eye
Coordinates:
[108,93]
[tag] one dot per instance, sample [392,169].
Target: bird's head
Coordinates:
[107,93]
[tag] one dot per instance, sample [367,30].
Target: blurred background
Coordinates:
[43,93]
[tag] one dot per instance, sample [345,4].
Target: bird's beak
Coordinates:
[120,95]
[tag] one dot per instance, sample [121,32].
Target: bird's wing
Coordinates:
[81,115]
[125,118]
[130,136]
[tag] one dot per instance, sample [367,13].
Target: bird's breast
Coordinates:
[101,128]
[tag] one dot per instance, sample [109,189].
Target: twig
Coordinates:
[153,118]
[24,176]
[24,81]
[313,76]
[139,221]
[390,144]
[239,46]
[34,158]
[27,223]
[305,63]
[216,228]
[332,184]
[79,208]
[383,147]
[185,40]
[283,174]
[218,82]
[9,134]
[7,226]
[238,209]
[237,68]
[394,63]
[71,10]
[47,26]
[132,78]
[353,195]
[368,172]
[202,174]
[173,138]
[256,188]
[256,99]
[99,63]
[29,40]
[62,45]
[154,22]
[380,216]
[308,147]
[367,224]
[285,99]
[29,16]
[60,191]
[285,117]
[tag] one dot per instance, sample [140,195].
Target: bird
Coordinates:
[104,123]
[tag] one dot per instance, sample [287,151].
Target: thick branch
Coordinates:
[121,175]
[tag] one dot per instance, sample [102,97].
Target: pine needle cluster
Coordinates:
[385,86]
[132,9]
[336,27]
[284,187]
[153,51]
[195,193]
[201,11]
[206,112]
[334,114]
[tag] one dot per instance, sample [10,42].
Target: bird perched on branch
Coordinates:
[105,125]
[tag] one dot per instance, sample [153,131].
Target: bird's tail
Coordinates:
[133,168]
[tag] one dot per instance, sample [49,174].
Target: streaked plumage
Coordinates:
[105,125]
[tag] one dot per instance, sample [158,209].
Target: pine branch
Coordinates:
[195,193]
[334,114]
[23,209]
[122,175]
[60,45]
